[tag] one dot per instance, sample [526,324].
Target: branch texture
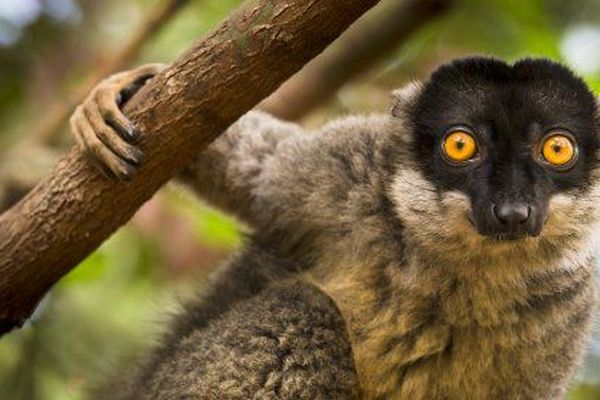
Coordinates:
[181,111]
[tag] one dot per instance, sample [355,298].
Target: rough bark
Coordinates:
[358,49]
[181,111]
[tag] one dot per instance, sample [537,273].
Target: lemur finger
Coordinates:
[127,93]
[134,80]
[105,101]
[102,154]
[115,91]
[102,168]
[149,70]
[110,137]
[77,119]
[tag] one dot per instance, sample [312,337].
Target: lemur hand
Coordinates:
[101,129]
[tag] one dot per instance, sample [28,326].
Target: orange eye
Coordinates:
[460,146]
[558,150]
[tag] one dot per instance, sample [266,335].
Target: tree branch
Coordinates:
[181,111]
[368,41]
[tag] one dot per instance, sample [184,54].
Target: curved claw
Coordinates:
[103,131]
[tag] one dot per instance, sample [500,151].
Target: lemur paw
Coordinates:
[102,131]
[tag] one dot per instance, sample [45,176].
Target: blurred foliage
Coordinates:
[113,305]
[108,309]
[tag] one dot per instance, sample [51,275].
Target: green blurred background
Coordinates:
[113,305]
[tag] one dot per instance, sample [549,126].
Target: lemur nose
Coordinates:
[512,213]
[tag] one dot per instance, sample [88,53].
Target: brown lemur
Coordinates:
[444,250]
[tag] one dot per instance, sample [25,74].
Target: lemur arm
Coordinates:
[263,170]
[229,172]
[225,174]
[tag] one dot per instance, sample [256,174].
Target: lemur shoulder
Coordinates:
[443,250]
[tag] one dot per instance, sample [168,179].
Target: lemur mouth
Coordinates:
[509,236]
[501,236]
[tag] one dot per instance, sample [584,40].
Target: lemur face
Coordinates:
[508,137]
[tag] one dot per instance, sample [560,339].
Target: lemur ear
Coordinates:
[405,97]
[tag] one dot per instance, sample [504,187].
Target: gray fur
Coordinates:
[294,347]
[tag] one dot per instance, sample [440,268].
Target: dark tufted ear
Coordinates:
[405,97]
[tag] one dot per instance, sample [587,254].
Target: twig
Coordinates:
[358,49]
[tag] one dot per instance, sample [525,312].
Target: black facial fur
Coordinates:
[508,109]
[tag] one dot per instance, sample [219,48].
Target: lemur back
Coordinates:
[258,333]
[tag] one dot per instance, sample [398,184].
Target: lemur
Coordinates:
[442,250]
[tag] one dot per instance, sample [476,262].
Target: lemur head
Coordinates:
[508,140]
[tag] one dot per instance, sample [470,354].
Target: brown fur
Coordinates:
[456,313]
[433,310]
